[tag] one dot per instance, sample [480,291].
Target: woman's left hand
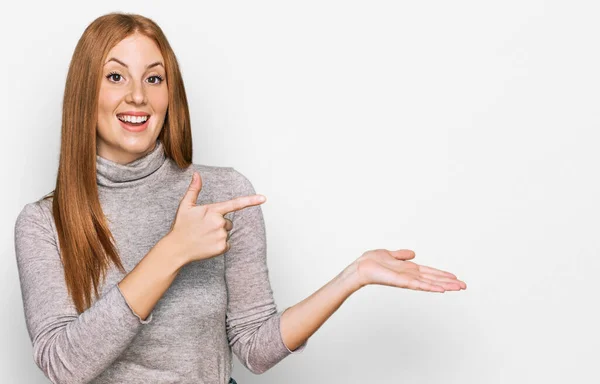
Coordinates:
[392,268]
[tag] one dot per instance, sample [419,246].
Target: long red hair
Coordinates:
[86,244]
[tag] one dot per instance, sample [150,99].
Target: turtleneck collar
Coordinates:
[114,175]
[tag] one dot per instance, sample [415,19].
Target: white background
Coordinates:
[464,130]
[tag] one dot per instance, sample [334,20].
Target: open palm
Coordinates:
[392,268]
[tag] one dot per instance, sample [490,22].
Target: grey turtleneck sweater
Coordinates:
[213,306]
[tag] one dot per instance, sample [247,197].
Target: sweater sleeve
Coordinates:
[68,347]
[253,323]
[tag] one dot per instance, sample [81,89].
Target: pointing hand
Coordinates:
[201,231]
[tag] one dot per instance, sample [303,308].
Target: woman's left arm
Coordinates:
[258,334]
[381,267]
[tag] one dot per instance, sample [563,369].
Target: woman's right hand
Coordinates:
[200,231]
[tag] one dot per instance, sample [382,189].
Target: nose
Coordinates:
[137,93]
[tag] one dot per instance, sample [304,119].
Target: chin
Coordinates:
[139,144]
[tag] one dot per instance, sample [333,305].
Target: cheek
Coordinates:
[108,101]
[159,98]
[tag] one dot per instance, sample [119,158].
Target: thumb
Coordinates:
[403,254]
[191,195]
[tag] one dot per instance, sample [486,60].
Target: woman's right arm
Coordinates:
[72,348]
[75,348]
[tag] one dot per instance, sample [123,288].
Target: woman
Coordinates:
[177,267]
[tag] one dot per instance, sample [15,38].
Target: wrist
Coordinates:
[350,278]
[172,245]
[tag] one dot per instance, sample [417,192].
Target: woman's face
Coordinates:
[133,86]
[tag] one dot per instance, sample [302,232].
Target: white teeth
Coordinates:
[133,119]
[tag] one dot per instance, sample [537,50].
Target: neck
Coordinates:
[114,174]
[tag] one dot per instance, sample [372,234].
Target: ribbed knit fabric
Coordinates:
[213,306]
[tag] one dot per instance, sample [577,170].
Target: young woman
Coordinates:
[173,252]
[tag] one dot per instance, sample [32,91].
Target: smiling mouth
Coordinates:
[134,121]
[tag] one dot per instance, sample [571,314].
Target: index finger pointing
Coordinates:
[237,204]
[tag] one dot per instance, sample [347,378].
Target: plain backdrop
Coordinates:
[467,131]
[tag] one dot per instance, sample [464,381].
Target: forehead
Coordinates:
[136,48]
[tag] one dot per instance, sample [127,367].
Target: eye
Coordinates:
[114,76]
[157,79]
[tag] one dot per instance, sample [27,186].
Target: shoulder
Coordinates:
[29,212]
[227,180]
[35,216]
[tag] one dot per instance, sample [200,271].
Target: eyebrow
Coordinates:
[125,65]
